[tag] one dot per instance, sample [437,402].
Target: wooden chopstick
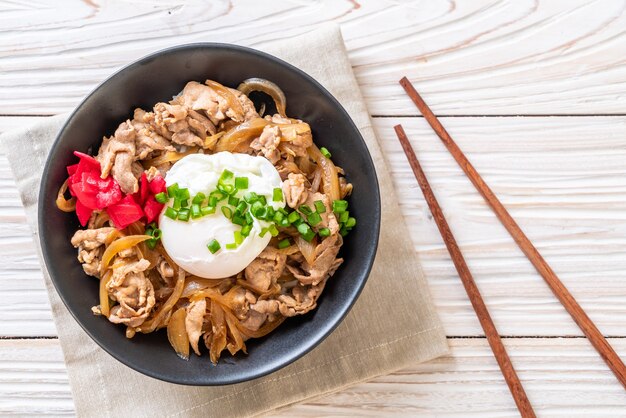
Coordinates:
[515,386]
[560,291]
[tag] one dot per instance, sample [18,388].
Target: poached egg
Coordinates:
[186,242]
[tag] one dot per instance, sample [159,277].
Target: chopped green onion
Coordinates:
[226,188]
[324,232]
[303,228]
[241,183]
[151,243]
[305,209]
[238,237]
[249,219]
[228,212]
[350,223]
[184,203]
[183,214]
[218,195]
[257,209]
[171,213]
[238,220]
[251,197]
[214,246]
[343,231]
[293,217]
[207,210]
[161,197]
[283,211]
[314,219]
[284,222]
[263,232]
[213,201]
[199,198]
[277,196]
[172,190]
[233,201]
[242,207]
[157,233]
[176,204]
[226,175]
[273,230]
[340,206]
[306,232]
[245,231]
[263,200]
[284,243]
[343,218]
[278,217]
[231,246]
[269,212]
[320,207]
[183,194]
[195,211]
[325,152]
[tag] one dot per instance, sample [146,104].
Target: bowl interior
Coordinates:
[157,78]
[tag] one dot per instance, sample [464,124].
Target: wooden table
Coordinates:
[533,91]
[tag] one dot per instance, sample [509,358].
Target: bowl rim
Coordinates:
[302,349]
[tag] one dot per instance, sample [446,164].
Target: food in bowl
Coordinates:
[206,218]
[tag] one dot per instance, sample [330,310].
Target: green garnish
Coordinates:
[293,217]
[324,232]
[241,183]
[171,190]
[207,210]
[233,201]
[277,195]
[320,207]
[314,219]
[284,243]
[214,246]
[305,209]
[325,152]
[171,213]
[238,237]
[183,214]
[199,198]
[228,212]
[183,194]
[195,211]
[161,197]
[340,206]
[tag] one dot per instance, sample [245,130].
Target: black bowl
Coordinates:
[158,77]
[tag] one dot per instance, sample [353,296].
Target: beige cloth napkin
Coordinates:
[392,325]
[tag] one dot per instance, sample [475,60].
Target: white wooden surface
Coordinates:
[535,94]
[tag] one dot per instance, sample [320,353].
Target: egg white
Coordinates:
[186,242]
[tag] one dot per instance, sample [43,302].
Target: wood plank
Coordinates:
[479,57]
[563,179]
[563,378]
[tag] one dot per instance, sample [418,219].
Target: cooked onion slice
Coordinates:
[118,245]
[267,87]
[228,95]
[330,178]
[241,135]
[104,294]
[177,334]
[168,157]
[66,205]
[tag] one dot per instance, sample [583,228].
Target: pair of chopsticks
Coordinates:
[594,335]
